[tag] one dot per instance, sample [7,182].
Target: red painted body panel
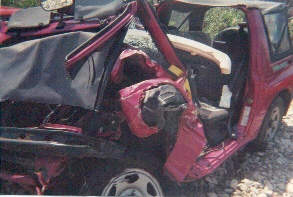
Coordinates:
[66,128]
[45,170]
[21,179]
[265,84]
[190,143]
[3,30]
[7,11]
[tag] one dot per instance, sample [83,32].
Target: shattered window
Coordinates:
[179,20]
[291,28]
[139,38]
[285,44]
[278,32]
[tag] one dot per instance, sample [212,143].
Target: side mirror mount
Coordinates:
[50,5]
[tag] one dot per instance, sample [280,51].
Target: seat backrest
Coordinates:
[208,76]
[234,42]
[198,36]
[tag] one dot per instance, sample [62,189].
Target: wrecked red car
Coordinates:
[83,112]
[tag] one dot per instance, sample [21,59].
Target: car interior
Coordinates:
[187,21]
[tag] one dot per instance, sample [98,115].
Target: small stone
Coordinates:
[260,153]
[212,194]
[281,186]
[262,195]
[254,190]
[286,135]
[270,166]
[228,191]
[289,188]
[246,181]
[288,154]
[243,187]
[238,193]
[233,184]
[211,185]
[276,150]
[224,195]
[268,192]
[269,186]
[247,155]
[208,179]
[281,149]
[281,160]
[286,142]
[215,181]
[257,176]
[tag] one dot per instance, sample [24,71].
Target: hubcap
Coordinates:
[273,124]
[133,182]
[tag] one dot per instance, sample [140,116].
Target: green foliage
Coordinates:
[217,19]
[20,3]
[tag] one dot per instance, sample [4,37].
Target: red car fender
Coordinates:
[130,99]
[190,143]
[7,11]
[190,136]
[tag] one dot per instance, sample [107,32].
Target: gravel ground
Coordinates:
[260,174]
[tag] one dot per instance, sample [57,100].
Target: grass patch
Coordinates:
[20,3]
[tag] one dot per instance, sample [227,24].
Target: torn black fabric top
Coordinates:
[34,71]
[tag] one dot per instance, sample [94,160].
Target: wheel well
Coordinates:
[285,95]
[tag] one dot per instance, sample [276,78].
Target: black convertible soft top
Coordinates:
[34,71]
[265,6]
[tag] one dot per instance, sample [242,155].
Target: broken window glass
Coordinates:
[278,32]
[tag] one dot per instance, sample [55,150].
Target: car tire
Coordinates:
[136,174]
[271,124]
[133,182]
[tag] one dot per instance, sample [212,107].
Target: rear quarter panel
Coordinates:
[267,79]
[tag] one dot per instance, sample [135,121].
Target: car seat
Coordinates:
[198,36]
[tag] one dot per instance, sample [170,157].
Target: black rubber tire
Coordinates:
[100,175]
[273,120]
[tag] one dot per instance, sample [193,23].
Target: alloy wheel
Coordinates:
[133,182]
[273,124]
